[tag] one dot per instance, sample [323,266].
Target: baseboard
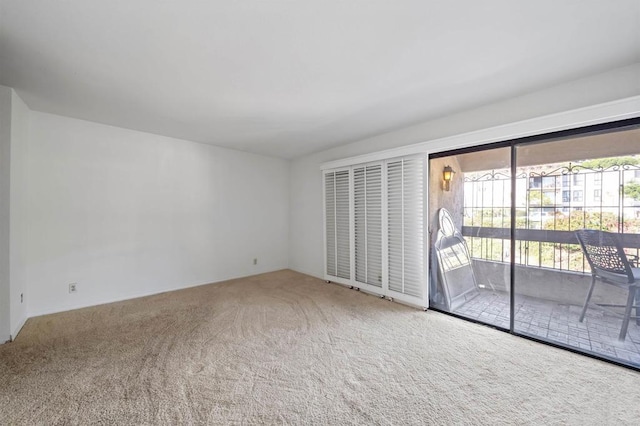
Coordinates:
[138,295]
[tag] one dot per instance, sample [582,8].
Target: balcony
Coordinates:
[515,211]
[548,301]
[557,321]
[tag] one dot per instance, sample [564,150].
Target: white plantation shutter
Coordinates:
[405,226]
[343,254]
[338,248]
[367,194]
[375,228]
[330,222]
[395,229]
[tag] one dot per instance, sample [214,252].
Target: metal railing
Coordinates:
[532,243]
[552,201]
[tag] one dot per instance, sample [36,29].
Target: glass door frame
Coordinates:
[513,144]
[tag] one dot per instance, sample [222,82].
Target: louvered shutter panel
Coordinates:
[330,221]
[395,225]
[414,256]
[405,226]
[374,225]
[343,248]
[337,224]
[367,188]
[360,223]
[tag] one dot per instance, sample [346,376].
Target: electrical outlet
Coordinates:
[255,260]
[73,287]
[21,297]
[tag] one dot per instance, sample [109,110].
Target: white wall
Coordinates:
[306,239]
[125,213]
[5,193]
[18,211]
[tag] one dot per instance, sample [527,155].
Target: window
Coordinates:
[577,195]
[549,181]
[566,196]
[597,195]
[566,180]
[535,182]
[453,278]
[578,180]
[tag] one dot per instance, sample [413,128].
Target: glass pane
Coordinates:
[587,182]
[470,219]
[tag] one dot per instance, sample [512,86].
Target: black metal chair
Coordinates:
[610,264]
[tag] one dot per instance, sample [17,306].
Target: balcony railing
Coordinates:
[552,201]
[489,243]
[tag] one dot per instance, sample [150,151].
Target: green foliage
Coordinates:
[490,217]
[489,248]
[578,219]
[537,198]
[632,190]
[583,219]
[610,162]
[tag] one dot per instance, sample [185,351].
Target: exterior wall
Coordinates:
[547,284]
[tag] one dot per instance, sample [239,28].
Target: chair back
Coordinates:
[605,255]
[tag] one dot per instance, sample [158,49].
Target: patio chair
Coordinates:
[610,265]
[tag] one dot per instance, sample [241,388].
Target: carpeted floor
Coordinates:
[287,348]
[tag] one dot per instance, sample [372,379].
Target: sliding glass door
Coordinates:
[580,188]
[541,237]
[470,232]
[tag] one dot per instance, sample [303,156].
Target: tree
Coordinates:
[632,190]
[579,219]
[605,163]
[537,198]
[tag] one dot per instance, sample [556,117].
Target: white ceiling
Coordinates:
[287,78]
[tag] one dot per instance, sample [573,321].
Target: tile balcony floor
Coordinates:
[558,323]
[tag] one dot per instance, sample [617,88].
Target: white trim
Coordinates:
[385,230]
[140,295]
[352,227]
[402,239]
[324,219]
[426,234]
[595,114]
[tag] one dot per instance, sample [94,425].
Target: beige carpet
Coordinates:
[287,348]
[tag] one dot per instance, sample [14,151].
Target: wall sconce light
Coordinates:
[447,175]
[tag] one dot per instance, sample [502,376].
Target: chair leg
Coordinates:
[586,302]
[627,313]
[637,304]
